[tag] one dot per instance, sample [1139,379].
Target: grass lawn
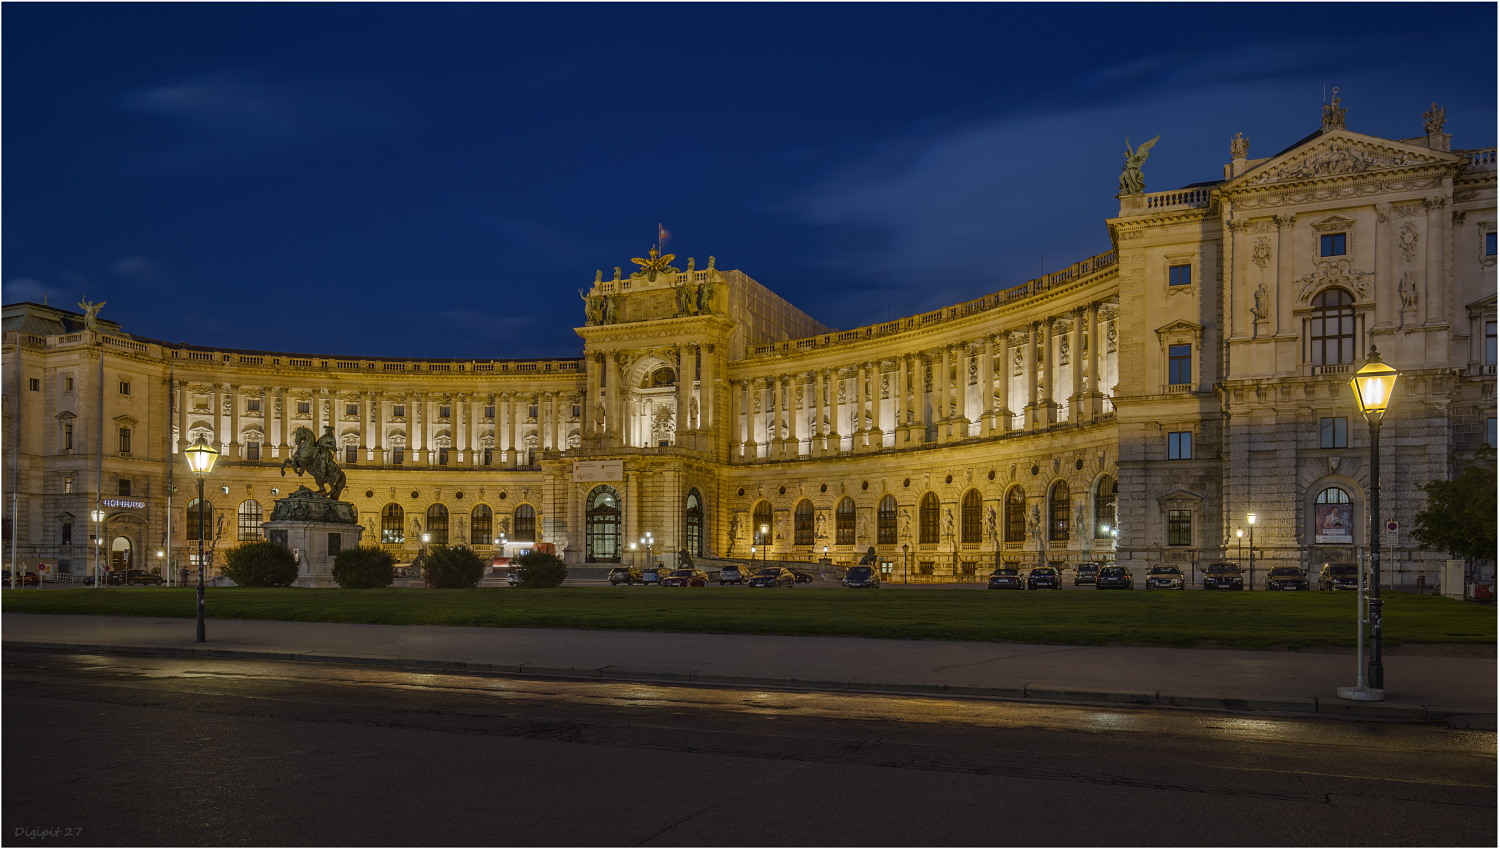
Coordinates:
[1229,620]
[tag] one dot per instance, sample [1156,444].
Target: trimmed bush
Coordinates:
[365,568]
[540,570]
[452,567]
[260,564]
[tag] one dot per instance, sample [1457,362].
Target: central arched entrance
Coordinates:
[602,525]
[119,554]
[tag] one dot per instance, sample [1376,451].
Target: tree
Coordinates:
[364,568]
[1460,514]
[540,570]
[260,564]
[452,567]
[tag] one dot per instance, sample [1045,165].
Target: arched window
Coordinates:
[437,524]
[803,526]
[763,520]
[194,531]
[927,519]
[119,554]
[1059,509]
[392,525]
[525,524]
[481,525]
[664,377]
[1331,328]
[693,521]
[885,521]
[249,520]
[602,525]
[843,522]
[970,519]
[1333,518]
[1015,515]
[1104,507]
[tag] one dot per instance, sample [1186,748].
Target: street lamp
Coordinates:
[765,531]
[200,459]
[650,543]
[1251,519]
[1373,386]
[1239,542]
[98,516]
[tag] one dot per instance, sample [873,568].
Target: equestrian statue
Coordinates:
[316,456]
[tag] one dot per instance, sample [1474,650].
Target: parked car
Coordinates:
[1086,574]
[773,576]
[624,575]
[862,576]
[686,578]
[1222,576]
[1166,578]
[1338,576]
[1007,578]
[733,574]
[139,576]
[1287,578]
[654,574]
[1044,578]
[1114,578]
[25,579]
[800,576]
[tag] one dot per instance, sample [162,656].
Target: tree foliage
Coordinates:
[452,567]
[1460,514]
[540,570]
[364,568]
[260,564]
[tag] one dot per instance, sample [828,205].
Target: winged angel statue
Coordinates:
[1132,182]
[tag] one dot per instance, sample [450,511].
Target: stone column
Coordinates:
[773,439]
[590,396]
[284,401]
[1387,301]
[1049,373]
[961,391]
[940,383]
[420,418]
[796,402]
[708,393]
[511,401]
[218,417]
[1280,308]
[877,429]
[684,393]
[733,431]
[234,421]
[557,434]
[377,418]
[833,440]
[987,386]
[1431,303]
[1096,346]
[1028,374]
[818,443]
[859,430]
[614,413]
[899,427]
[1075,368]
[180,387]
[1004,418]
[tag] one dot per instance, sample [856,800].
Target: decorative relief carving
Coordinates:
[1335,273]
[1406,241]
[1020,364]
[1382,212]
[1111,339]
[1366,187]
[1261,254]
[1333,224]
[1409,210]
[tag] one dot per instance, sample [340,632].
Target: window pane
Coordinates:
[1341,433]
[1325,433]
[1489,342]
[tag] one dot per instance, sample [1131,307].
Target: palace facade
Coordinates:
[1134,407]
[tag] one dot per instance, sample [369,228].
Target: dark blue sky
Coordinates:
[440,180]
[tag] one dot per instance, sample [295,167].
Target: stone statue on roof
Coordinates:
[1132,181]
[91,313]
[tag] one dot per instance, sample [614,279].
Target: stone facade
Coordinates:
[1182,367]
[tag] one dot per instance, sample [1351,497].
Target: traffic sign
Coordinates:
[1392,526]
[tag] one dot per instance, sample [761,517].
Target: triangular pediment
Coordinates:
[1180,496]
[1180,324]
[1338,153]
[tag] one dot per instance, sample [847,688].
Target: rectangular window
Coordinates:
[577,410]
[304,408]
[67,437]
[397,455]
[67,384]
[442,456]
[124,440]
[489,454]
[1489,343]
[351,455]
[398,411]
[252,452]
[1180,445]
[445,411]
[1179,364]
[124,387]
[531,411]
[351,409]
[1179,275]
[1179,527]
[1489,244]
[1490,428]
[489,411]
[67,485]
[252,405]
[1332,244]
[35,383]
[335,544]
[1333,432]
[124,484]
[67,533]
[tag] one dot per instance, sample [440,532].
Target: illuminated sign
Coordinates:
[125,503]
[589,471]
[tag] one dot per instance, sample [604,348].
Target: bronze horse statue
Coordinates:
[311,455]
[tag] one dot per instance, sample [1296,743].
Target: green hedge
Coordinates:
[541,571]
[260,564]
[365,568]
[452,567]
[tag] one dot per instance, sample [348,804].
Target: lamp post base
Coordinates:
[1360,694]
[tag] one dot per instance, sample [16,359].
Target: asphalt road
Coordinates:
[143,750]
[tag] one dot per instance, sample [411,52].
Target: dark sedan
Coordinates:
[624,575]
[1044,578]
[1338,576]
[1114,578]
[1086,574]
[800,576]
[1006,578]
[773,576]
[686,578]
[1287,578]
[1222,576]
[1166,578]
[862,577]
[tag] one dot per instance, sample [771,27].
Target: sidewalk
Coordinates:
[1418,685]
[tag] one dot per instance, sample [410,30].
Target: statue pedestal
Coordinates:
[316,529]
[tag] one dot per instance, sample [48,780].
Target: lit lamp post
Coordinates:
[633,560]
[200,459]
[98,516]
[422,555]
[649,542]
[905,561]
[1239,542]
[1251,519]
[1373,386]
[765,531]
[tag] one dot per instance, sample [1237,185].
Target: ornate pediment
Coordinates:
[1339,153]
[1336,272]
[1178,332]
[1333,224]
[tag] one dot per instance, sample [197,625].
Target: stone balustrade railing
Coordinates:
[1479,158]
[1031,288]
[360,366]
[624,284]
[1181,198]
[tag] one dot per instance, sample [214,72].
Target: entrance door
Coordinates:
[119,554]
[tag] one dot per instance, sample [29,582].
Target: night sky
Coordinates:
[440,180]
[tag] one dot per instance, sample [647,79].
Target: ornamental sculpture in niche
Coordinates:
[1262,303]
[1407,288]
[1132,181]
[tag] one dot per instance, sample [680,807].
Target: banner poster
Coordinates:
[1335,524]
[591,471]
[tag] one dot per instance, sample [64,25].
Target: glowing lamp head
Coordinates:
[97,515]
[201,457]
[426,537]
[1250,518]
[1373,386]
[1239,532]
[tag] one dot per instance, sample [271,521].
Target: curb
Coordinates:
[1313,705]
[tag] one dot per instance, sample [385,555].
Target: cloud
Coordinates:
[28,289]
[538,237]
[142,270]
